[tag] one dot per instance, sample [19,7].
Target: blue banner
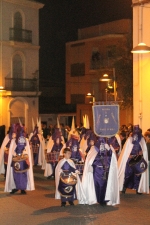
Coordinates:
[106,120]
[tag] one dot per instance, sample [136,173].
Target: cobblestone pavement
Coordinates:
[40,208]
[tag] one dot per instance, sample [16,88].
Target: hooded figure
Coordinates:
[54,147]
[100,176]
[74,146]
[67,189]
[134,147]
[87,141]
[19,169]
[37,144]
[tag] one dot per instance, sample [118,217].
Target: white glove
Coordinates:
[77,171]
[107,146]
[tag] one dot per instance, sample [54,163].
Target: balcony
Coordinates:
[20,35]
[23,85]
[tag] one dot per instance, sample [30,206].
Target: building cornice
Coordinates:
[96,38]
[19,44]
[28,94]
[138,3]
[26,3]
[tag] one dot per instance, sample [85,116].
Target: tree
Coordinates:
[124,78]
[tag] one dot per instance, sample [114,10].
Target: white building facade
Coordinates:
[141,64]
[19,61]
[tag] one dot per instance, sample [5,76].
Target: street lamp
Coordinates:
[108,78]
[141,47]
[89,95]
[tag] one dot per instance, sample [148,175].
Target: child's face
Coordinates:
[67,155]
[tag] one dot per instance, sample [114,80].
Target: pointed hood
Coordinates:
[84,121]
[39,125]
[58,124]
[20,140]
[20,122]
[73,124]
[33,124]
[87,122]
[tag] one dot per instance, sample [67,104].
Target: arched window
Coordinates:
[17,26]
[18,20]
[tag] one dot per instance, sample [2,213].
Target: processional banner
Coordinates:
[106,120]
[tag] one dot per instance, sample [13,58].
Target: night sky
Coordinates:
[59,22]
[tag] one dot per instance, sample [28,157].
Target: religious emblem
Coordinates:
[135,137]
[142,166]
[74,148]
[102,147]
[17,166]
[68,189]
[22,140]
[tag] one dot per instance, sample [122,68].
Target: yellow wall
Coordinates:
[141,68]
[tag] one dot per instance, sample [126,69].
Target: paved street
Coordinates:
[40,208]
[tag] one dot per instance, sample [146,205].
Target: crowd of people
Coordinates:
[85,167]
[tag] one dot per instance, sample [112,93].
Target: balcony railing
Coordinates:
[17,84]
[20,35]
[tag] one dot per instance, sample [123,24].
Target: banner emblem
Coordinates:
[106,120]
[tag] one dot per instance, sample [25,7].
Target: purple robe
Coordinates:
[66,166]
[131,180]
[20,178]
[55,148]
[35,144]
[73,144]
[101,166]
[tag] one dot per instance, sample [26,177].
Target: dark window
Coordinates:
[111,51]
[95,60]
[18,26]
[18,20]
[77,99]
[77,69]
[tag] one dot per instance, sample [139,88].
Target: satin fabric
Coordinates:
[20,180]
[79,188]
[131,180]
[100,177]
[66,166]
[123,158]
[112,196]
[10,183]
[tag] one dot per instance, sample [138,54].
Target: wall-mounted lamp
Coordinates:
[108,78]
[141,47]
[2,89]
[89,95]
[105,77]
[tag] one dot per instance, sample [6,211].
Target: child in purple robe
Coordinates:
[66,191]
